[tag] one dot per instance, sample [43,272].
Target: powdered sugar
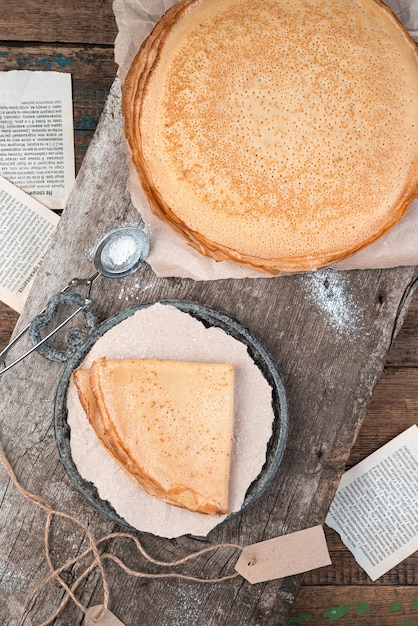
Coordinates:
[132,292]
[120,252]
[329,292]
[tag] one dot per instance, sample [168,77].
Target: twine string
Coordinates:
[99,559]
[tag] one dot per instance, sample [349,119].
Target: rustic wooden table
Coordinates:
[328,332]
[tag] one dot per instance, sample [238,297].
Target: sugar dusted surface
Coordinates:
[329,293]
[162,331]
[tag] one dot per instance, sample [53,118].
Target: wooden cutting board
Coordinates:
[329,334]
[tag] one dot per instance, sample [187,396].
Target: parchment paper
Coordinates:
[170,255]
[162,331]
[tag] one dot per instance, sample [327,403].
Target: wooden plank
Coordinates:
[8,320]
[330,358]
[394,407]
[356,605]
[404,352]
[343,568]
[345,571]
[65,22]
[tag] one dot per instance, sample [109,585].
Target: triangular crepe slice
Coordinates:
[103,430]
[173,420]
[107,435]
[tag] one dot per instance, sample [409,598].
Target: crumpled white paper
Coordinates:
[170,255]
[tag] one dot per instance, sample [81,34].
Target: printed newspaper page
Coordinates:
[375,509]
[26,227]
[36,134]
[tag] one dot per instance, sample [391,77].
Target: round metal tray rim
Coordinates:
[211,317]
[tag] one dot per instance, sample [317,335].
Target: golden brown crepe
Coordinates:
[167,423]
[101,424]
[279,135]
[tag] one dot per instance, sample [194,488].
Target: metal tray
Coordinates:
[209,317]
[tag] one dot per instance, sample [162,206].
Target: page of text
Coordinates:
[36,134]
[26,228]
[375,509]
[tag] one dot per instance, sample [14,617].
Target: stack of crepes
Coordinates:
[278,135]
[167,423]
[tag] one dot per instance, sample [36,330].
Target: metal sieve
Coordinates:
[119,253]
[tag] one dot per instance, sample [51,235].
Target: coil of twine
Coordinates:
[98,559]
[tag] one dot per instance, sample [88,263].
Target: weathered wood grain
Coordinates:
[343,589]
[69,22]
[345,571]
[404,352]
[393,409]
[356,605]
[8,319]
[329,361]
[66,25]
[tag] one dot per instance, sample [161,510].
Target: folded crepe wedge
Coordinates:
[100,423]
[107,435]
[169,425]
[277,135]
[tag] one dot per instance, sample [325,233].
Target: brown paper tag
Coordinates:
[284,556]
[108,618]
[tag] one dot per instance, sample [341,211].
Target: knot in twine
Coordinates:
[98,559]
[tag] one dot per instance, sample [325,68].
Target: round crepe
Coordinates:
[282,136]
